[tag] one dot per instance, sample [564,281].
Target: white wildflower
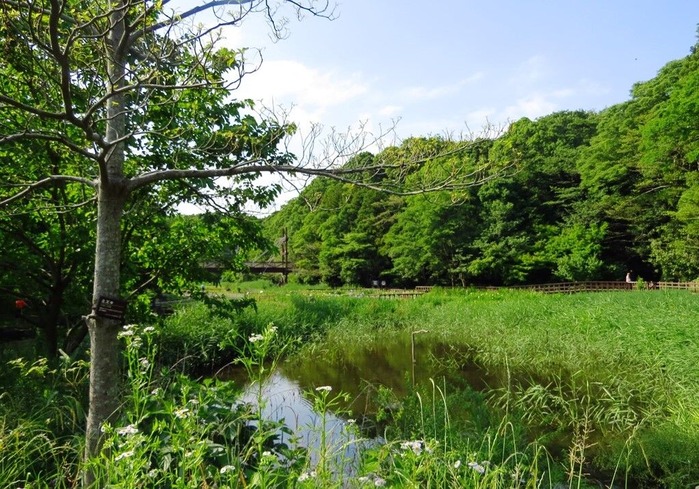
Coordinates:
[124,455]
[145,363]
[148,329]
[324,388]
[255,338]
[127,430]
[415,446]
[477,467]
[307,475]
[379,482]
[227,468]
[181,413]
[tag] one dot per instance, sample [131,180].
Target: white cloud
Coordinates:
[311,92]
[532,106]
[563,93]
[531,71]
[479,118]
[418,94]
[390,110]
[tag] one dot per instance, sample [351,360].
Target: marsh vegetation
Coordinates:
[500,389]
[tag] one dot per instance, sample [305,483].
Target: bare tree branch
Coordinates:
[45,183]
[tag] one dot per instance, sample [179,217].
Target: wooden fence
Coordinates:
[693,286]
[558,288]
[573,287]
[601,286]
[401,293]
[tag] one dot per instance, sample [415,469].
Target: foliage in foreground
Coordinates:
[176,432]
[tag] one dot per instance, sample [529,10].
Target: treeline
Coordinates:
[587,196]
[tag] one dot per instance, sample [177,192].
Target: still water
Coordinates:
[287,401]
[396,365]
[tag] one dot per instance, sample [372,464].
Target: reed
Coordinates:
[600,378]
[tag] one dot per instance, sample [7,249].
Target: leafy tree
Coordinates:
[576,252]
[94,75]
[141,97]
[669,164]
[47,243]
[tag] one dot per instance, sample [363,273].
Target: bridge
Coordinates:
[270,267]
[283,267]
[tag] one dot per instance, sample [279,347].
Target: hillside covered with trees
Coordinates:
[589,196]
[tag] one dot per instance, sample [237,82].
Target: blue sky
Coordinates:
[440,66]
[453,66]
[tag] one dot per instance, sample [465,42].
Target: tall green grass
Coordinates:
[602,379]
[591,386]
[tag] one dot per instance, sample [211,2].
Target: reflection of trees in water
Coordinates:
[285,402]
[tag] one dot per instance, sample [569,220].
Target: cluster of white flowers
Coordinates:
[268,458]
[226,468]
[181,413]
[307,475]
[128,330]
[148,329]
[255,338]
[324,388]
[416,446]
[126,454]
[145,363]
[377,481]
[127,430]
[477,467]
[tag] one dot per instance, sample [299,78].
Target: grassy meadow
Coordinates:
[591,389]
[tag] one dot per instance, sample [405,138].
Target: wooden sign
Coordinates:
[111,308]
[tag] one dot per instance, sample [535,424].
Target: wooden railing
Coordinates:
[570,287]
[693,286]
[603,286]
[401,293]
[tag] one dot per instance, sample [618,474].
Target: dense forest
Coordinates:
[588,196]
[578,195]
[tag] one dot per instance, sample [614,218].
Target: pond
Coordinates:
[290,390]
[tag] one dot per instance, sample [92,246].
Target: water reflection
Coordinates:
[286,401]
[396,365]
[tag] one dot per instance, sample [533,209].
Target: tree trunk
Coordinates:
[105,377]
